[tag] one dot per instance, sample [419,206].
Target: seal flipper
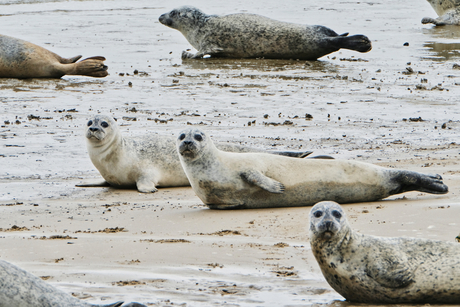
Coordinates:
[93,67]
[200,54]
[117,304]
[100,183]
[70,60]
[146,185]
[413,181]
[360,43]
[389,271]
[262,181]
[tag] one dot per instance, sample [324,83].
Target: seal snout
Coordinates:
[163,19]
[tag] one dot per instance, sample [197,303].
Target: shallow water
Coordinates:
[396,105]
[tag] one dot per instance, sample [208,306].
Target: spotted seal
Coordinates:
[254,36]
[20,288]
[224,180]
[147,162]
[378,270]
[21,59]
[447,10]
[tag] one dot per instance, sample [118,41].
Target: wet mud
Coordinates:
[396,106]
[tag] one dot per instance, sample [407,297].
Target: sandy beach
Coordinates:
[396,106]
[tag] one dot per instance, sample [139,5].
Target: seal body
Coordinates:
[21,59]
[378,270]
[20,288]
[145,162]
[447,10]
[254,36]
[224,180]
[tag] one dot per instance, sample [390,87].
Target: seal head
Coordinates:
[191,143]
[328,221]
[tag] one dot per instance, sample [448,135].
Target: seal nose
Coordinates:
[161,18]
[93,129]
[328,225]
[188,143]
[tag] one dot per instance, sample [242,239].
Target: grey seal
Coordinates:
[19,288]
[254,36]
[447,10]
[21,59]
[382,270]
[145,162]
[225,180]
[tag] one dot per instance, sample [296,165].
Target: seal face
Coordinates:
[378,270]
[255,36]
[447,10]
[21,289]
[21,59]
[225,180]
[145,162]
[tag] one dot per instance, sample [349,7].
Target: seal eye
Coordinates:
[336,214]
[198,137]
[104,124]
[90,123]
[182,136]
[318,214]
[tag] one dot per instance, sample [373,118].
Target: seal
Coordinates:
[21,59]
[382,270]
[224,180]
[254,36]
[20,288]
[447,10]
[147,162]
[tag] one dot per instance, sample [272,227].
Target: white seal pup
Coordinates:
[254,36]
[21,59]
[145,162]
[447,10]
[224,180]
[19,288]
[381,270]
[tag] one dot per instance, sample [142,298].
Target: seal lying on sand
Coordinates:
[447,10]
[22,289]
[147,161]
[224,180]
[254,36]
[21,59]
[378,270]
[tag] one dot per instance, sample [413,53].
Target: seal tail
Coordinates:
[358,42]
[93,67]
[413,181]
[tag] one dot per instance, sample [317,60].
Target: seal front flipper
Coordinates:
[117,304]
[89,184]
[390,271]
[146,185]
[264,182]
[200,54]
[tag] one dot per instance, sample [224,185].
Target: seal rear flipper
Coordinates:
[117,304]
[70,60]
[294,154]
[88,184]
[93,67]
[413,181]
[134,304]
[360,43]
[262,181]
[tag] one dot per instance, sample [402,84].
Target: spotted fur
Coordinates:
[254,36]
[382,270]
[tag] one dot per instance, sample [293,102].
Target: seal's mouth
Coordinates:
[164,20]
[92,136]
[327,235]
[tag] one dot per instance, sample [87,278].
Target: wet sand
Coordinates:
[395,106]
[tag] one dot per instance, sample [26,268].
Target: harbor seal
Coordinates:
[377,270]
[254,36]
[224,180]
[21,59]
[447,10]
[146,162]
[20,288]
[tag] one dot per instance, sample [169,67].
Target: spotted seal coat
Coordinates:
[447,10]
[19,288]
[147,162]
[224,180]
[254,36]
[21,59]
[382,270]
